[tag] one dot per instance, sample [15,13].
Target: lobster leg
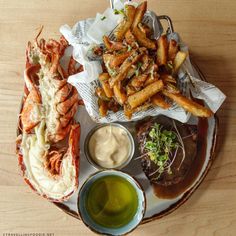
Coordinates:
[64,120]
[63,93]
[65,106]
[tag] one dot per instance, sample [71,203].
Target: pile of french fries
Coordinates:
[140,72]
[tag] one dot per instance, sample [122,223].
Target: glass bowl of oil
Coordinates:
[111,202]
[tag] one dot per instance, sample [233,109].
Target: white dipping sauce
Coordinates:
[109,146]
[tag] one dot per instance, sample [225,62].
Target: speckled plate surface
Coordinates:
[156,207]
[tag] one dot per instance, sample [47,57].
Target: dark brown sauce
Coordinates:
[172,191]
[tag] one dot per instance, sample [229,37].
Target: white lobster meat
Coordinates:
[48,141]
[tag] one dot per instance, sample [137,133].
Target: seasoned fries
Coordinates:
[172,50]
[140,72]
[130,39]
[143,95]
[118,59]
[103,108]
[145,29]
[143,40]
[158,100]
[124,26]
[105,84]
[124,68]
[139,13]
[120,95]
[179,60]
[189,105]
[162,50]
[138,81]
[138,33]
[107,42]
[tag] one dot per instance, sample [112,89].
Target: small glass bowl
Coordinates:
[96,165]
[130,226]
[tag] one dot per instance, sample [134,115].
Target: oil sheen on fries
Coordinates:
[189,105]
[124,26]
[143,95]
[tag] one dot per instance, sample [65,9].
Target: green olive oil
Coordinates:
[111,201]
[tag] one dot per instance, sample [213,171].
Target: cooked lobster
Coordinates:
[48,140]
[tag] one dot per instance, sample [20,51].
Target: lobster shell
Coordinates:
[49,164]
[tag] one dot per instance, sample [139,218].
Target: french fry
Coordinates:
[131,71]
[130,39]
[179,60]
[145,62]
[145,29]
[138,33]
[119,94]
[130,90]
[172,50]
[171,88]
[143,40]
[143,107]
[107,42]
[138,81]
[143,50]
[150,80]
[124,68]
[107,89]
[152,67]
[124,26]
[162,50]
[138,77]
[111,45]
[113,105]
[113,60]
[117,46]
[143,95]
[158,100]
[104,77]
[128,111]
[139,13]
[101,94]
[107,58]
[189,105]
[103,108]
[168,78]
[118,59]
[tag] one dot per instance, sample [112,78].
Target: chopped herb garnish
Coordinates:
[139,65]
[111,72]
[129,48]
[117,12]
[159,145]
[103,18]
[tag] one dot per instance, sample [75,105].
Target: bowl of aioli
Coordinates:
[109,146]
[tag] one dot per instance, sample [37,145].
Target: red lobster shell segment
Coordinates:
[48,141]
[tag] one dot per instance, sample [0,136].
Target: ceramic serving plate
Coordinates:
[156,207]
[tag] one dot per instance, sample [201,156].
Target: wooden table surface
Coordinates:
[209,28]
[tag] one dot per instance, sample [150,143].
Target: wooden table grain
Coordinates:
[209,28]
